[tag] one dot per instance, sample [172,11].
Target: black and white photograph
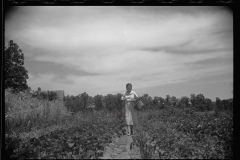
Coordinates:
[118,82]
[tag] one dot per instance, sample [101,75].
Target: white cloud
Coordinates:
[117,47]
[154,70]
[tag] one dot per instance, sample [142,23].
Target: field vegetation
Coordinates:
[169,128]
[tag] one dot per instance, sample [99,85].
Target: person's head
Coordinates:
[129,87]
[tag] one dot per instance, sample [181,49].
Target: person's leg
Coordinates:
[129,129]
[129,116]
[131,126]
[135,120]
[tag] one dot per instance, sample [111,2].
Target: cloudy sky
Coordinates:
[161,50]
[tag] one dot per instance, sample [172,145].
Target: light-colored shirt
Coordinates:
[129,97]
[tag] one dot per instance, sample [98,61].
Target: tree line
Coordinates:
[113,102]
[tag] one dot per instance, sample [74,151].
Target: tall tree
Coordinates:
[145,95]
[192,99]
[74,103]
[90,100]
[200,98]
[161,100]
[98,101]
[184,101]
[84,96]
[15,72]
[155,100]
[167,99]
[173,100]
[209,103]
[110,103]
[145,100]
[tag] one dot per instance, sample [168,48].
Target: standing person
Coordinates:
[131,116]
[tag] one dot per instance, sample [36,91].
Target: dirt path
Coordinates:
[120,149]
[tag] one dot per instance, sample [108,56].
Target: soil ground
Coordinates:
[120,149]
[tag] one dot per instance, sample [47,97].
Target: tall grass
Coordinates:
[24,113]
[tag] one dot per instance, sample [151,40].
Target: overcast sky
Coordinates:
[162,50]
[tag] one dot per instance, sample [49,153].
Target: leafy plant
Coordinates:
[173,133]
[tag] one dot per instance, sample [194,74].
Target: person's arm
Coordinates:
[123,96]
[136,96]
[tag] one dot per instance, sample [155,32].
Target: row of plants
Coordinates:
[85,136]
[184,133]
[42,129]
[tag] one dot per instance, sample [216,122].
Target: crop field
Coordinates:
[172,133]
[36,129]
